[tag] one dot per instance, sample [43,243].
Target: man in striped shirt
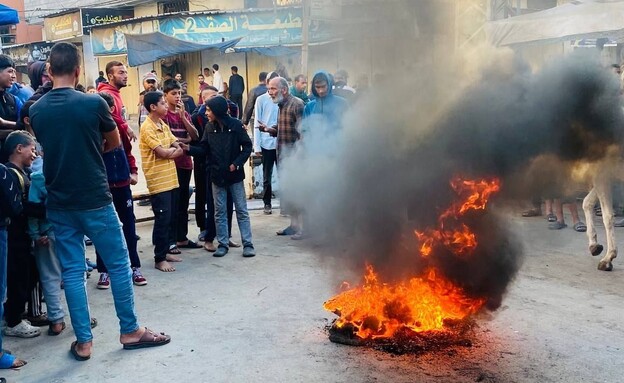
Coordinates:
[159,147]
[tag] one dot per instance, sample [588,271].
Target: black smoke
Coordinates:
[367,187]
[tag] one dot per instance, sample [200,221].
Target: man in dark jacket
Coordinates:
[252,96]
[237,87]
[9,105]
[226,146]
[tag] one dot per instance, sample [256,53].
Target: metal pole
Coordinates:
[305,36]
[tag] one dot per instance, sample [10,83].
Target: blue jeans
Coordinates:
[219,195]
[3,271]
[104,228]
[50,277]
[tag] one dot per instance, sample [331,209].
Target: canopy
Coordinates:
[149,47]
[276,51]
[575,20]
[8,16]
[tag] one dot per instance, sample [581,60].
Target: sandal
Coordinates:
[55,333]
[74,352]
[8,361]
[173,249]
[148,339]
[189,245]
[580,227]
[556,225]
[551,217]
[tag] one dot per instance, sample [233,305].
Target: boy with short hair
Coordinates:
[159,147]
[179,122]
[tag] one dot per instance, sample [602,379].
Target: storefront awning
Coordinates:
[149,47]
[575,20]
[277,51]
[8,16]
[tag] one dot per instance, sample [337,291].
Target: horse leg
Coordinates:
[588,208]
[606,203]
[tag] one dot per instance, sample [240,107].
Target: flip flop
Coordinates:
[7,361]
[190,245]
[551,217]
[77,356]
[173,249]
[580,227]
[556,225]
[54,333]
[149,339]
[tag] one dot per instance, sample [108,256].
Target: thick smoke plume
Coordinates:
[366,188]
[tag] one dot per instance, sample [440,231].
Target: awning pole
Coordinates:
[305,37]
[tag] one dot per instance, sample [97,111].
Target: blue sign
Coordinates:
[265,28]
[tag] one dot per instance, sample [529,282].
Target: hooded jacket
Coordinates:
[119,166]
[329,109]
[35,71]
[223,143]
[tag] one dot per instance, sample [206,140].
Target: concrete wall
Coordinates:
[24,32]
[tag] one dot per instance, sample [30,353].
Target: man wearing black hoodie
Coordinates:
[226,146]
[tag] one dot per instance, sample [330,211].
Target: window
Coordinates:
[173,7]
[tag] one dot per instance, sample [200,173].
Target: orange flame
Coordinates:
[377,309]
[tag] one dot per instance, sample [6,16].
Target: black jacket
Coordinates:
[10,197]
[236,85]
[222,145]
[251,101]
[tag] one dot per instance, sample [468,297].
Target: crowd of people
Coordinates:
[83,192]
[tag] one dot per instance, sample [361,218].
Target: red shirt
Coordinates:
[177,128]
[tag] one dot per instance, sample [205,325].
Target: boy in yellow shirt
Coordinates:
[158,149]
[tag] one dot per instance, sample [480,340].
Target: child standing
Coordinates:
[158,149]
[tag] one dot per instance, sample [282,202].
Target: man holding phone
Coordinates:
[265,140]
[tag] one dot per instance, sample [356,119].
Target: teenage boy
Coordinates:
[159,147]
[179,122]
[79,201]
[228,147]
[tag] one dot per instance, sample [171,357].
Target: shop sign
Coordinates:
[62,27]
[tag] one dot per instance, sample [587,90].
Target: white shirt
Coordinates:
[217,81]
[265,111]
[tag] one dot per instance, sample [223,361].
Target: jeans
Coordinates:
[104,228]
[181,215]
[211,229]
[269,158]
[122,200]
[163,207]
[3,271]
[219,195]
[50,278]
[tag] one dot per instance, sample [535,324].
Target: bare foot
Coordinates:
[84,349]
[132,337]
[164,266]
[173,258]
[17,363]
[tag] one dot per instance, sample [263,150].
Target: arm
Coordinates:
[245,142]
[10,196]
[186,120]
[249,107]
[169,153]
[134,170]
[112,140]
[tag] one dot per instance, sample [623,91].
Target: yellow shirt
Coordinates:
[160,173]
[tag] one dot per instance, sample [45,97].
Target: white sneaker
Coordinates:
[22,330]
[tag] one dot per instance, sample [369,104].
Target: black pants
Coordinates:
[199,173]
[269,158]
[122,199]
[238,100]
[211,230]
[21,275]
[163,205]
[184,194]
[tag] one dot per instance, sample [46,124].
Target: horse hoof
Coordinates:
[605,266]
[595,249]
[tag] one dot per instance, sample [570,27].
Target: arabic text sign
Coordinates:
[95,16]
[112,41]
[24,54]
[257,28]
[62,27]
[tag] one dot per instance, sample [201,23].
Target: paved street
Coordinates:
[261,320]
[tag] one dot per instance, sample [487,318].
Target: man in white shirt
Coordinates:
[265,140]
[217,80]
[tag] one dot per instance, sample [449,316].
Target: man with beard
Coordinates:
[79,201]
[288,120]
[121,171]
[9,105]
[150,84]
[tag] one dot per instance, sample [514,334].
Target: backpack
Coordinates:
[8,107]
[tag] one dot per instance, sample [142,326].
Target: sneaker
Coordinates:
[249,251]
[137,277]
[23,330]
[104,282]
[267,209]
[221,252]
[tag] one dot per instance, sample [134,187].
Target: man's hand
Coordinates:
[180,109]
[185,147]
[232,168]
[272,131]
[43,241]
[262,127]
[258,154]
[134,179]
[131,134]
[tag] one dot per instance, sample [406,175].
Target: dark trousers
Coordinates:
[122,200]
[181,215]
[21,277]
[199,173]
[238,100]
[269,159]
[211,229]
[163,206]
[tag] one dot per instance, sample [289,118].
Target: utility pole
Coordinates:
[305,36]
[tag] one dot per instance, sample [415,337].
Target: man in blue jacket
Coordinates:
[326,108]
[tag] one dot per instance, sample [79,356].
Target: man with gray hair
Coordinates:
[288,120]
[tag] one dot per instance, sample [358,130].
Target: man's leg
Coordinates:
[199,173]
[104,228]
[18,279]
[50,275]
[173,223]
[219,195]
[161,205]
[70,251]
[184,180]
[3,272]
[122,199]
[242,215]
[268,160]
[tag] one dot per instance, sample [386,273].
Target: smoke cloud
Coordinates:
[365,188]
